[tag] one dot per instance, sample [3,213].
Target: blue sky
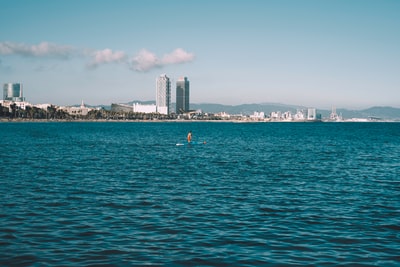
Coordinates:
[343,53]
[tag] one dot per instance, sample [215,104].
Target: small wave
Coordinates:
[395,227]
[21,260]
[270,210]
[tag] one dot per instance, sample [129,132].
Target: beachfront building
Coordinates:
[287,116]
[299,116]
[136,108]
[13,92]
[9,104]
[311,114]
[142,108]
[257,116]
[163,94]
[275,115]
[115,107]
[82,110]
[13,97]
[182,95]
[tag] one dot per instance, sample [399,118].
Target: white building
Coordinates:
[139,108]
[275,115]
[43,106]
[19,104]
[311,114]
[287,116]
[223,115]
[299,116]
[163,94]
[82,110]
[258,115]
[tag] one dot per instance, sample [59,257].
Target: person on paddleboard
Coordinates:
[189,137]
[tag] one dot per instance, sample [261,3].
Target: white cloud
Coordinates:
[43,49]
[146,60]
[177,56]
[107,56]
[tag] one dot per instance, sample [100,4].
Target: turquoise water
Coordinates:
[270,194]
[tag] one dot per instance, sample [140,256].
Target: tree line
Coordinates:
[53,113]
[33,113]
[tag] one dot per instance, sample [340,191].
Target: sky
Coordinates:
[313,53]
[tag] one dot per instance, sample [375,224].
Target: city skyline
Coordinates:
[309,53]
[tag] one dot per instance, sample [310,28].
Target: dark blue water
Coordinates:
[270,194]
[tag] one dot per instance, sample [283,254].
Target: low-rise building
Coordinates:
[121,108]
[18,104]
[258,116]
[82,110]
[140,108]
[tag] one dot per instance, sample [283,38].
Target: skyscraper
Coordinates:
[13,92]
[182,95]
[163,97]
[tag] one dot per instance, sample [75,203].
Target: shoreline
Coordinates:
[20,120]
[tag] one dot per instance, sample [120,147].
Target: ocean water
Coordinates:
[256,194]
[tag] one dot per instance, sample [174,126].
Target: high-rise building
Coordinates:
[163,97]
[13,92]
[182,95]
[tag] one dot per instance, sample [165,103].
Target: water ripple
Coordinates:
[85,194]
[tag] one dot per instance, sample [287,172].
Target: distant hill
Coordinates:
[245,109]
[385,113]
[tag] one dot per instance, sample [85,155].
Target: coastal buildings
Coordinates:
[163,94]
[163,99]
[309,115]
[182,95]
[162,109]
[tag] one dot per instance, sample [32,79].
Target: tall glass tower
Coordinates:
[182,95]
[163,97]
[13,92]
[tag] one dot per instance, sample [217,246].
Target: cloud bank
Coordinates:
[43,49]
[143,61]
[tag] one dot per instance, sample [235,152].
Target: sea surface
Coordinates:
[256,194]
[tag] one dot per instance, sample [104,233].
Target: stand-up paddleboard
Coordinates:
[191,143]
